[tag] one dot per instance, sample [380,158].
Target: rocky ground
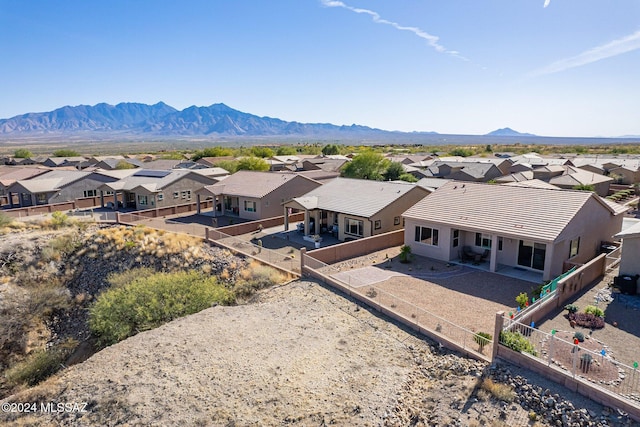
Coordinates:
[297,354]
[300,354]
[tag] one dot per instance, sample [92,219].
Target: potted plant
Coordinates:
[317,239]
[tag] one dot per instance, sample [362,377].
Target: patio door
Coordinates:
[531,254]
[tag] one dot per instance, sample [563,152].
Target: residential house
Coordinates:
[55,186]
[74,161]
[111,163]
[629,265]
[256,195]
[528,228]
[575,177]
[355,208]
[464,171]
[148,189]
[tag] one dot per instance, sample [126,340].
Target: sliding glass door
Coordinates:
[531,254]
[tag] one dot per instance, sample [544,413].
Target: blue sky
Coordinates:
[549,67]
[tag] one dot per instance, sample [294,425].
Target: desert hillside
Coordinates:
[300,354]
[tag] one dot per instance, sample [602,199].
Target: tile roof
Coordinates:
[252,183]
[359,197]
[521,212]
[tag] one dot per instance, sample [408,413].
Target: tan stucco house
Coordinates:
[630,256]
[529,228]
[256,195]
[356,208]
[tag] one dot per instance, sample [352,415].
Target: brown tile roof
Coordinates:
[522,212]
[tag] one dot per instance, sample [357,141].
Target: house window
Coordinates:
[456,238]
[108,193]
[249,206]
[90,193]
[499,243]
[396,220]
[41,198]
[574,247]
[186,194]
[483,240]
[160,197]
[176,194]
[377,225]
[427,235]
[354,227]
[142,200]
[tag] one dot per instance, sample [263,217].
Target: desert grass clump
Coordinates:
[499,391]
[149,301]
[40,364]
[256,276]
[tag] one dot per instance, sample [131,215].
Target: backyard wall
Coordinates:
[250,227]
[561,377]
[343,251]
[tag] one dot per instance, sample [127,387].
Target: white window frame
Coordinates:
[249,206]
[428,236]
[359,225]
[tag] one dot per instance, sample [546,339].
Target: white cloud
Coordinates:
[546,3]
[613,48]
[430,38]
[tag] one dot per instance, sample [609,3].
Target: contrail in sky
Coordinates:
[613,48]
[431,39]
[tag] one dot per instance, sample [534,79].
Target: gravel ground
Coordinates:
[301,354]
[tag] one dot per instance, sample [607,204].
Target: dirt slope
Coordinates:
[300,355]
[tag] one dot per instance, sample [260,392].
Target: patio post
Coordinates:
[493,260]
[496,334]
[286,218]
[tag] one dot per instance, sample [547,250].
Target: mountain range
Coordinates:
[163,120]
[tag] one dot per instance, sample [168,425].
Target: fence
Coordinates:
[191,229]
[281,260]
[443,331]
[587,363]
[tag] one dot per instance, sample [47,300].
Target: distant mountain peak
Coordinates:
[508,132]
[160,119]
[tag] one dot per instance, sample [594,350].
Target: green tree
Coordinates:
[330,150]
[253,163]
[407,177]
[22,153]
[462,152]
[264,152]
[64,152]
[123,164]
[212,152]
[230,166]
[286,150]
[584,187]
[367,165]
[394,171]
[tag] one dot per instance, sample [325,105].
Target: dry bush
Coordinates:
[503,392]
[256,276]
[41,364]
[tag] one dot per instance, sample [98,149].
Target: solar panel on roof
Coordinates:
[152,173]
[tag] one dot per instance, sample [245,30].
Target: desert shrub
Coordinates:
[571,308]
[5,220]
[522,300]
[482,339]
[59,219]
[123,278]
[60,246]
[257,276]
[517,342]
[40,364]
[503,392]
[44,297]
[592,309]
[579,336]
[587,320]
[405,254]
[148,302]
